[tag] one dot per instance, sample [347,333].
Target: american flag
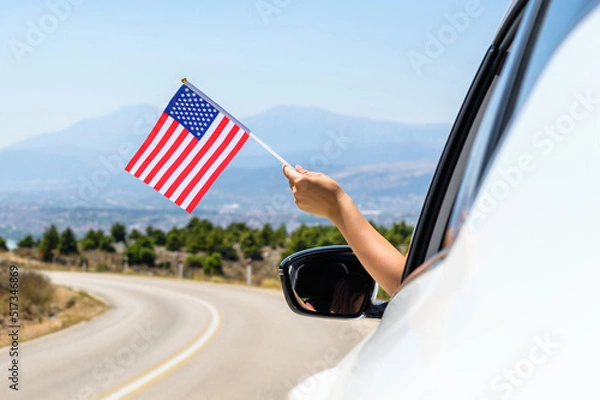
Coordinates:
[188,148]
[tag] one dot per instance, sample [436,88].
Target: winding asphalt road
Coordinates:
[176,339]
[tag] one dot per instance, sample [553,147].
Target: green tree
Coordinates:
[214,239]
[228,252]
[174,241]
[297,241]
[306,237]
[195,243]
[118,232]
[105,243]
[147,257]
[328,236]
[67,243]
[141,252]
[219,241]
[267,236]
[158,237]
[212,264]
[192,224]
[194,261]
[196,224]
[49,243]
[251,246]
[26,243]
[3,246]
[236,229]
[90,241]
[196,233]
[135,234]
[281,235]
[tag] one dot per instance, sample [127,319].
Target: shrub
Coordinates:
[147,257]
[106,244]
[194,261]
[164,265]
[35,293]
[227,252]
[213,264]
[141,252]
[102,268]
[26,243]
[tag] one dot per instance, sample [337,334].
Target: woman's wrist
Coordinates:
[343,206]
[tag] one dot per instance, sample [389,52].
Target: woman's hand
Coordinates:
[320,195]
[315,193]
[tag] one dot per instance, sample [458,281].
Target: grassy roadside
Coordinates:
[45,308]
[264,275]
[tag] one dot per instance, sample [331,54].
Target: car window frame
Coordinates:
[534,50]
[420,246]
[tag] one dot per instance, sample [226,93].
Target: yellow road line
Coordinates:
[154,374]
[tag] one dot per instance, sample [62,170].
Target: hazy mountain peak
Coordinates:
[295,112]
[377,161]
[96,132]
[314,137]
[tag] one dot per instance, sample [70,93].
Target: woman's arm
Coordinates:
[320,195]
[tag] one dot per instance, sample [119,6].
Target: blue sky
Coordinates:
[350,57]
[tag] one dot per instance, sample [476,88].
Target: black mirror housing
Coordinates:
[329,282]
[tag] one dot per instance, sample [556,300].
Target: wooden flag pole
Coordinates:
[231,117]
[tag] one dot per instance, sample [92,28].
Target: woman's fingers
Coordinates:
[300,169]
[290,172]
[294,174]
[313,192]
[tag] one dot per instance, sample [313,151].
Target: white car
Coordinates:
[501,294]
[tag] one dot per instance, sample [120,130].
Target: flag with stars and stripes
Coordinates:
[190,145]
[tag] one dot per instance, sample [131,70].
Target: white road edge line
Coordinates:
[173,362]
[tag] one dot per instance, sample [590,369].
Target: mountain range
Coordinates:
[386,166]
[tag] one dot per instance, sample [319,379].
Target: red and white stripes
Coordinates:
[182,167]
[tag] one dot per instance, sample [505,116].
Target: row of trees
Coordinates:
[207,244]
[196,237]
[53,243]
[306,237]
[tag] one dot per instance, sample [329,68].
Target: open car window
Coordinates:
[483,98]
[552,24]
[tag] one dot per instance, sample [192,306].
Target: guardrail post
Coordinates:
[248,271]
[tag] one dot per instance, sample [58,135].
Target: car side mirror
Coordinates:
[329,282]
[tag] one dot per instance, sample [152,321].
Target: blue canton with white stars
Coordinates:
[191,111]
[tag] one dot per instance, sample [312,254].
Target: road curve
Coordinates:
[177,339]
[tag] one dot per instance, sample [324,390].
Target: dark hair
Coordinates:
[347,291]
